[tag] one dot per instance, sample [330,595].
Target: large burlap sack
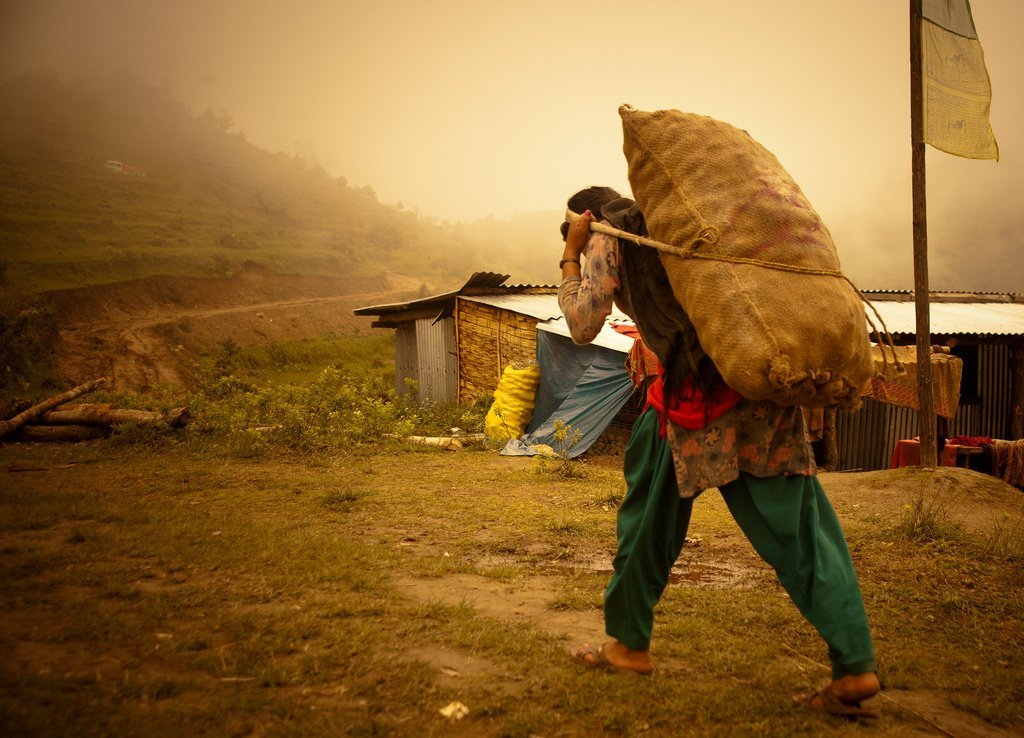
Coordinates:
[753,265]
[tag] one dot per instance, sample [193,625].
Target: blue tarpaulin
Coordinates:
[583,387]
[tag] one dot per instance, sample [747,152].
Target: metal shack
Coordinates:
[454,346]
[986,330]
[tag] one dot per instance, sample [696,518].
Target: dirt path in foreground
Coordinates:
[725,561]
[926,712]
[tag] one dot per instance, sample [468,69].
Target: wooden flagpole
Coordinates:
[926,412]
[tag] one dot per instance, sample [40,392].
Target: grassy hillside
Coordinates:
[209,200]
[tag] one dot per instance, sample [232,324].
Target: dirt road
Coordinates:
[142,333]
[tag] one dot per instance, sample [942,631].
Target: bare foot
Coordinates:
[844,695]
[615,656]
[854,688]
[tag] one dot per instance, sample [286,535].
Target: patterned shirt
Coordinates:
[757,437]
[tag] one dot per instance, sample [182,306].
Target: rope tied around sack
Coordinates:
[710,235]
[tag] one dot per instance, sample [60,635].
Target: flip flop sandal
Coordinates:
[832,705]
[593,657]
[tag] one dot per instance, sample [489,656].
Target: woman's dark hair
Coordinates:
[657,312]
[592,199]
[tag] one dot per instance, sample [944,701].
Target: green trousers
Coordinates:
[789,521]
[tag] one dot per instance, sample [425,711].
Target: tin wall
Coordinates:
[406,361]
[866,438]
[438,362]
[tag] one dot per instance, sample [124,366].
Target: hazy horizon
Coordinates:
[461,112]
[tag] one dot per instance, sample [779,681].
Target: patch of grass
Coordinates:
[610,496]
[562,468]
[582,592]
[150,435]
[568,528]
[298,362]
[1005,542]
[926,521]
[340,500]
[210,597]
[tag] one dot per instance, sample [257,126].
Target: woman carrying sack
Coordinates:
[698,433]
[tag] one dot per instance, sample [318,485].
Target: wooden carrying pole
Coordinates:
[926,412]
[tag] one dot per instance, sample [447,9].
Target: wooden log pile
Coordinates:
[58,419]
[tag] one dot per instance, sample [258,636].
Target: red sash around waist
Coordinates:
[692,410]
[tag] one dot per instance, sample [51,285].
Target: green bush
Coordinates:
[332,412]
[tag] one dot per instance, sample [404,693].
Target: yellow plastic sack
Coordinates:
[513,404]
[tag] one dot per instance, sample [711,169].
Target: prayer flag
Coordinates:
[957,92]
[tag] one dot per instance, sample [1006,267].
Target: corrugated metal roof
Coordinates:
[954,318]
[607,337]
[485,279]
[550,287]
[401,307]
[541,307]
[478,280]
[945,296]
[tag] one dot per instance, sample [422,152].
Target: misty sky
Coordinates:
[464,109]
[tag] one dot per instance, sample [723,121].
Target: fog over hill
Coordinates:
[195,197]
[112,179]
